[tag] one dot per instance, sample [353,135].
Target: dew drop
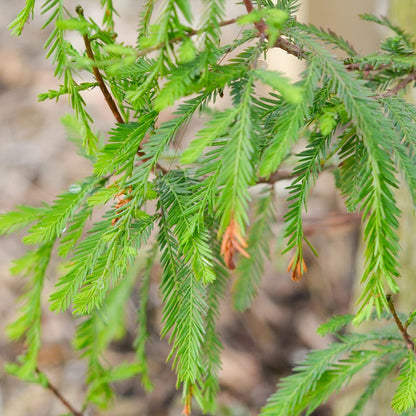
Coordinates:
[102,287]
[64,229]
[74,188]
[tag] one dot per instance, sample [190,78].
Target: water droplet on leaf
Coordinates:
[74,188]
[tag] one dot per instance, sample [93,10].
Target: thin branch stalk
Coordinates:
[400,85]
[59,395]
[101,83]
[408,340]
[107,96]
[178,38]
[280,43]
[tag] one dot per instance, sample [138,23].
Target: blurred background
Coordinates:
[261,345]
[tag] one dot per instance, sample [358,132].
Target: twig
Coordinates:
[261,25]
[408,340]
[289,47]
[194,32]
[178,38]
[58,395]
[107,96]
[399,86]
[352,66]
[281,43]
[249,6]
[285,175]
[392,91]
[275,177]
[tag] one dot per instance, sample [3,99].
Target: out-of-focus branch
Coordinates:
[59,395]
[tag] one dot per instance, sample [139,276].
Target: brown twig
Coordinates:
[280,43]
[408,340]
[390,92]
[285,175]
[352,66]
[58,395]
[275,177]
[178,38]
[261,25]
[249,6]
[399,86]
[289,47]
[194,32]
[107,96]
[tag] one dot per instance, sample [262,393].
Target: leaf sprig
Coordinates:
[207,207]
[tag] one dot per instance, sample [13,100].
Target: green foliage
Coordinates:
[23,216]
[288,122]
[95,333]
[237,159]
[312,160]
[16,27]
[378,180]
[212,347]
[52,224]
[381,372]
[214,129]
[250,269]
[336,323]
[62,53]
[184,303]
[119,153]
[405,396]
[211,17]
[27,326]
[290,93]
[142,321]
[215,194]
[326,371]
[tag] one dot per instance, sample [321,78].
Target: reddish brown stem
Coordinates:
[359,67]
[249,5]
[107,96]
[408,340]
[400,85]
[281,43]
[59,396]
[285,175]
[289,47]
[260,26]
[296,51]
[197,32]
[188,34]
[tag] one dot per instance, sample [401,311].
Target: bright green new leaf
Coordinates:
[81,26]
[279,82]
[405,395]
